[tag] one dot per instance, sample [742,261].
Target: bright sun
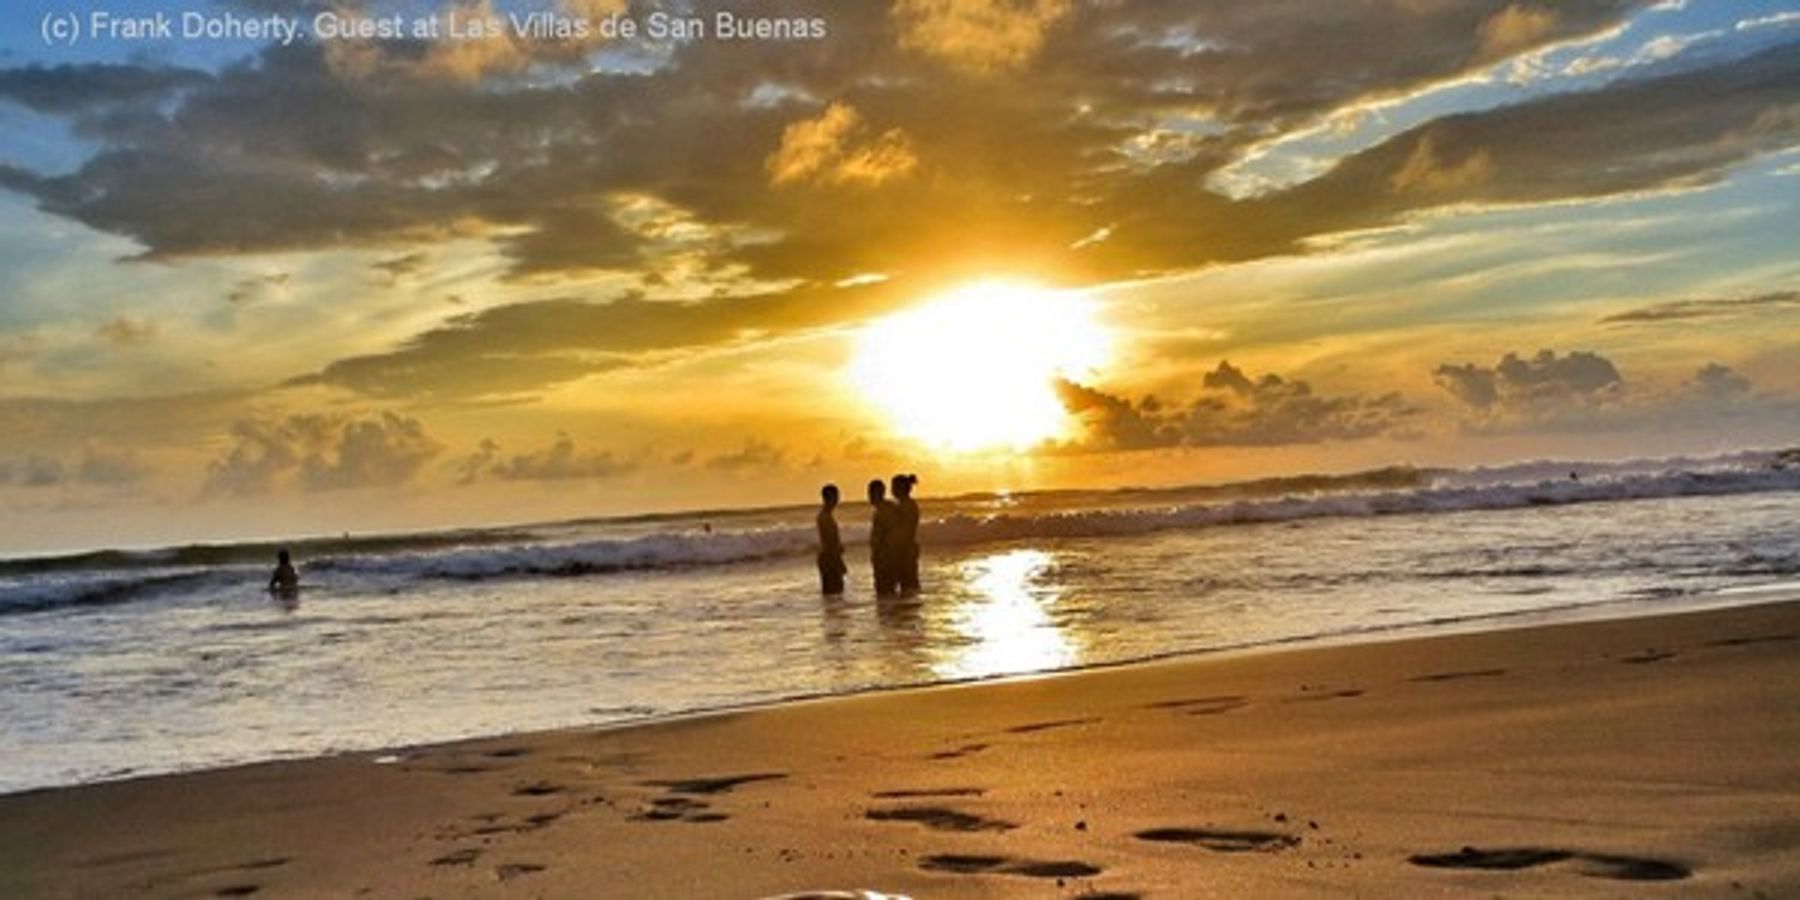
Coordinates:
[976,369]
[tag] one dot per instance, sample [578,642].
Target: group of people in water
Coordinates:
[893,538]
[893,542]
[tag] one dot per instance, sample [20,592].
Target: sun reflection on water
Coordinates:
[1005,621]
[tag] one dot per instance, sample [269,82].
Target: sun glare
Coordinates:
[976,369]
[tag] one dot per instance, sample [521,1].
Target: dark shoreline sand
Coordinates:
[1638,757]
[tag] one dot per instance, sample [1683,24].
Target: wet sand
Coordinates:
[1643,757]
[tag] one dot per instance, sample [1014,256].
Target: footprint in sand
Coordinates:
[1046,726]
[681,803]
[917,793]
[537,789]
[1747,640]
[464,857]
[717,785]
[1592,865]
[964,750]
[1649,656]
[1309,697]
[450,770]
[939,819]
[666,809]
[1222,840]
[494,823]
[1001,865]
[509,871]
[1458,676]
[1204,706]
[237,890]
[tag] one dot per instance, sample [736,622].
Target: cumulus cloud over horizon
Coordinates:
[321,452]
[562,460]
[1231,409]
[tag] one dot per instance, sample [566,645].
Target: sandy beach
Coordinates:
[1638,757]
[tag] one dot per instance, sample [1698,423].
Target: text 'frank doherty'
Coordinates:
[455,25]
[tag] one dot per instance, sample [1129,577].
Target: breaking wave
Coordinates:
[688,549]
[110,577]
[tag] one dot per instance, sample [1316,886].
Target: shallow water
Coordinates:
[141,663]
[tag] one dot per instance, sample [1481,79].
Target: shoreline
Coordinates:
[1645,749]
[1616,609]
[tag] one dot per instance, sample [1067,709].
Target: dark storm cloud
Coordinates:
[1707,308]
[1232,409]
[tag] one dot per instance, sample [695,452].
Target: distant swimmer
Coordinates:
[284,580]
[905,538]
[831,546]
[881,539]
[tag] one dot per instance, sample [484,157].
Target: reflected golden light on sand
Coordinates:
[1005,622]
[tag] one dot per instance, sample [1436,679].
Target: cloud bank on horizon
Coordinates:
[1330,233]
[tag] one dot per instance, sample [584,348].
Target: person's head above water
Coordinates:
[877,491]
[903,485]
[829,494]
[281,556]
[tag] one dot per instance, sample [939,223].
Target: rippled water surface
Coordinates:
[144,663]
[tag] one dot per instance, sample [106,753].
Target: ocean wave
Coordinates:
[18,597]
[254,552]
[111,577]
[599,557]
[689,549]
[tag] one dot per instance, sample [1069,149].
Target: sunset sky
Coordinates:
[254,291]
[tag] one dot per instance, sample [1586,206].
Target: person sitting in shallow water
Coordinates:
[285,579]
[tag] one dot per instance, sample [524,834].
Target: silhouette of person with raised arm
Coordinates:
[284,580]
[831,546]
[905,537]
[881,539]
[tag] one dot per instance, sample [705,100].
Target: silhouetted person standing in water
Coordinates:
[905,552]
[831,547]
[881,539]
[284,580]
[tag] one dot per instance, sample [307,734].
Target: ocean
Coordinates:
[125,663]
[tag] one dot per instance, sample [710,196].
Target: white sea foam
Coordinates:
[1456,492]
[112,577]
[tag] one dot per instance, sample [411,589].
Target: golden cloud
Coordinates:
[834,149]
[1513,29]
[978,35]
[1426,171]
